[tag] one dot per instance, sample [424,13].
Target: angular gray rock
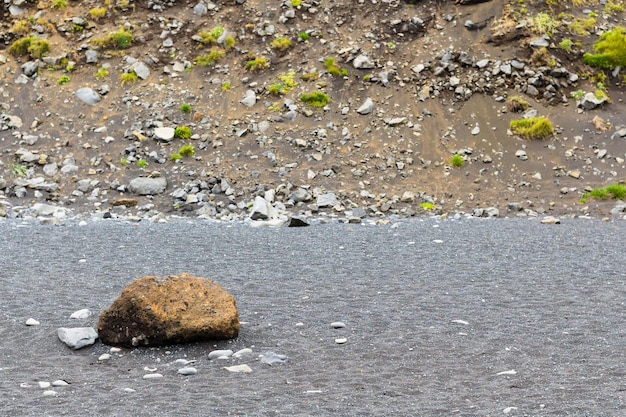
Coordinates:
[88,95]
[77,337]
[141,70]
[363,62]
[250,99]
[147,186]
[327,200]
[590,101]
[263,209]
[367,107]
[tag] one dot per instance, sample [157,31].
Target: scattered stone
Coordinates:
[165,134]
[272,358]
[104,357]
[245,369]
[141,70]
[341,341]
[337,325]
[242,352]
[126,202]
[32,322]
[155,311]
[550,220]
[60,383]
[190,370]
[152,376]
[220,354]
[77,337]
[147,186]
[590,101]
[327,200]
[81,314]
[297,221]
[367,107]
[263,209]
[88,95]
[250,99]
[362,62]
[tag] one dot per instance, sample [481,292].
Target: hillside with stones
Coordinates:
[349,109]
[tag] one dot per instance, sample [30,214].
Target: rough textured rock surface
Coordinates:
[155,311]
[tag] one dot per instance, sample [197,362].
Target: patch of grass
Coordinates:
[229,43]
[182,132]
[457,161]
[64,79]
[58,4]
[21,27]
[611,50]
[281,44]
[296,3]
[226,86]
[142,163]
[303,36]
[276,89]
[98,13]
[610,192]
[315,99]
[211,38]
[122,39]
[19,170]
[541,57]
[123,162]
[516,104]
[544,24]
[211,58]
[186,151]
[185,108]
[334,69]
[310,76]
[31,45]
[582,27]
[175,157]
[102,73]
[257,64]
[129,77]
[613,8]
[578,95]
[427,206]
[566,45]
[533,128]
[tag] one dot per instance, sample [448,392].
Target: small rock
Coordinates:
[32,322]
[239,369]
[341,341]
[550,220]
[363,62]
[337,325]
[250,99]
[242,352]
[272,358]
[217,354]
[190,370]
[77,337]
[367,107]
[147,186]
[81,314]
[104,357]
[165,134]
[60,383]
[152,376]
[88,95]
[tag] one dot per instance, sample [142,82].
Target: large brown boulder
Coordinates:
[154,311]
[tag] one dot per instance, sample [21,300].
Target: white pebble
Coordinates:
[149,369]
[509,409]
[299,324]
[81,314]
[341,341]
[44,384]
[511,372]
[152,376]
[32,322]
[242,352]
[128,390]
[239,369]
[104,357]
[190,370]
[460,322]
[183,362]
[337,324]
[115,350]
[220,354]
[49,393]
[59,383]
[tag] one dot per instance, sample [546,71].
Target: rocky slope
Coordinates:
[409,86]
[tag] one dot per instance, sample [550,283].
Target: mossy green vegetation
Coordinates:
[610,50]
[185,108]
[64,79]
[128,77]
[315,99]
[182,132]
[533,128]
[334,69]
[211,37]
[427,206]
[610,192]
[187,151]
[32,46]
[257,64]
[281,44]
[142,163]
[211,58]
[102,73]
[457,161]
[121,39]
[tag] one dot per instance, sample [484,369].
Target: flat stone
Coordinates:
[250,99]
[367,107]
[81,314]
[215,354]
[147,186]
[363,62]
[164,133]
[88,95]
[263,209]
[245,369]
[77,337]
[32,322]
[156,311]
[272,358]
[327,200]
[550,220]
[189,370]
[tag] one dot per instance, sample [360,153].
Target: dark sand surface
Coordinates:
[544,301]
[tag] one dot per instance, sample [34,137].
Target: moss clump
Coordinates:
[532,128]
[186,151]
[257,64]
[281,44]
[122,39]
[610,192]
[33,46]
[334,69]
[97,13]
[315,99]
[129,77]
[211,38]
[611,50]
[457,161]
[211,58]
[182,132]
